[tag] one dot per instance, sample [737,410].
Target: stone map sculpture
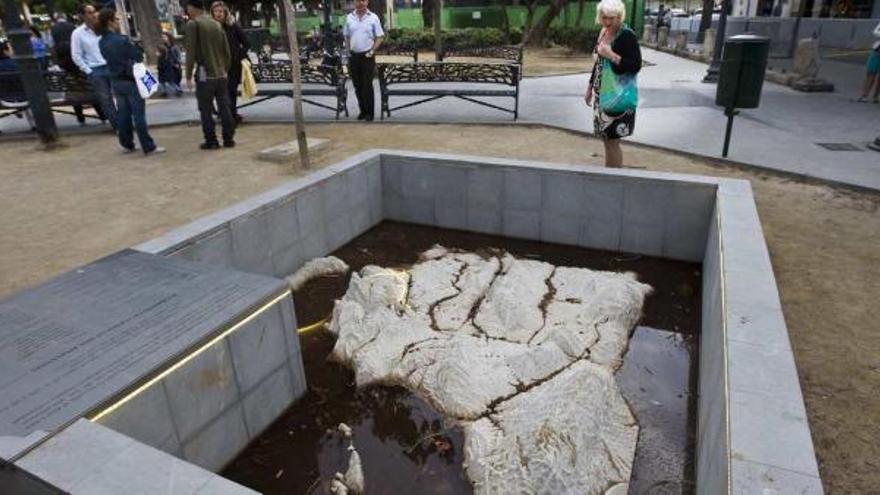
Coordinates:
[519,352]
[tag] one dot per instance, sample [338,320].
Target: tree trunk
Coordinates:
[580,14]
[245,14]
[428,13]
[268,9]
[284,21]
[530,19]
[301,140]
[538,32]
[438,30]
[146,18]
[706,19]
[380,8]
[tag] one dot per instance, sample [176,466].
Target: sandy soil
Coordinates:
[65,208]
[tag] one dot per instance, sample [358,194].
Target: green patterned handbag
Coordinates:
[618,93]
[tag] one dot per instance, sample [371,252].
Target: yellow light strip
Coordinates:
[313,326]
[188,358]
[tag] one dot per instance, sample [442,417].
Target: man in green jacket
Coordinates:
[207,58]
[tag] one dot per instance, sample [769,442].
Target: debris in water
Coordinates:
[337,487]
[345,430]
[315,268]
[354,475]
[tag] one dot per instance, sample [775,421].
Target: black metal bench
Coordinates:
[435,76]
[274,79]
[511,53]
[398,51]
[64,88]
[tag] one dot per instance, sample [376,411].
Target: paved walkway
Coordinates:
[676,111]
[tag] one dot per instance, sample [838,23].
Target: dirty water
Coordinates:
[406,447]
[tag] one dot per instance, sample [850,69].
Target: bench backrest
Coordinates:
[399,50]
[279,72]
[513,53]
[427,72]
[67,82]
[11,87]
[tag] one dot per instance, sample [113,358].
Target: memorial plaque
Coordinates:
[84,337]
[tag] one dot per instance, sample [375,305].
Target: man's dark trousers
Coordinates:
[363,69]
[207,92]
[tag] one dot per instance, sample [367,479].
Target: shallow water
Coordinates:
[406,447]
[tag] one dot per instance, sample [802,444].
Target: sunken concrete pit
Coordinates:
[752,430]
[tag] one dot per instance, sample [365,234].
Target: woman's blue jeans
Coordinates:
[131,109]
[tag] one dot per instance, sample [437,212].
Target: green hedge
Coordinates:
[424,39]
[576,38]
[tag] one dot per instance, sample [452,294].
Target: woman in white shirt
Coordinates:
[873,66]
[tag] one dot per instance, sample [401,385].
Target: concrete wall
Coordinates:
[213,406]
[274,233]
[769,436]
[652,214]
[90,459]
[853,34]
[753,434]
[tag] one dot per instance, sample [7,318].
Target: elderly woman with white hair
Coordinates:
[612,91]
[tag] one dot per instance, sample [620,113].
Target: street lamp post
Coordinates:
[31,75]
[329,41]
[715,67]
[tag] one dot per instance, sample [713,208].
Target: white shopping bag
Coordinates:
[145,80]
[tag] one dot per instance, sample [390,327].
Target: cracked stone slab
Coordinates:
[571,434]
[521,353]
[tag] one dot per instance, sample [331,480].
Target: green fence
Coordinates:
[492,16]
[488,16]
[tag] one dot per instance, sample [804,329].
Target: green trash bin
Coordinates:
[743,64]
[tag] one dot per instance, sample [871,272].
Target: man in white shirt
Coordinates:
[363,36]
[87,56]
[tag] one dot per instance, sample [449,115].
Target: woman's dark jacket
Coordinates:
[626,44]
[120,54]
[238,44]
[169,65]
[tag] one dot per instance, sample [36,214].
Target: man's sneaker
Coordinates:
[128,151]
[362,116]
[157,150]
[229,144]
[209,146]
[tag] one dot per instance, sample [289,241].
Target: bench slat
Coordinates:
[449,92]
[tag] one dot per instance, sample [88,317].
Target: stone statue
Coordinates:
[806,59]
[805,71]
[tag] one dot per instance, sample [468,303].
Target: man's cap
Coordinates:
[196,4]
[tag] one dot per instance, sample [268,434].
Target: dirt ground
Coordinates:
[65,208]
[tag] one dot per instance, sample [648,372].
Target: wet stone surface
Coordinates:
[404,443]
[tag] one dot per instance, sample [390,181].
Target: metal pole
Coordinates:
[714,67]
[730,114]
[31,76]
[329,40]
[297,86]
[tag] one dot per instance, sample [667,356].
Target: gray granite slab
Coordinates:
[79,340]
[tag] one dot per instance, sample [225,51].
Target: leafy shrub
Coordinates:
[577,38]
[424,39]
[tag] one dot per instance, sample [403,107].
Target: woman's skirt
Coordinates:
[613,126]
